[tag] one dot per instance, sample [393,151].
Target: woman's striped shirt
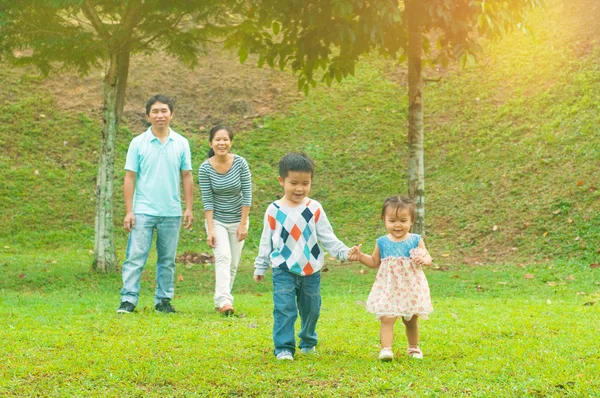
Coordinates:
[225,194]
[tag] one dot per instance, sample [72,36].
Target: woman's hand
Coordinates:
[211,240]
[241,233]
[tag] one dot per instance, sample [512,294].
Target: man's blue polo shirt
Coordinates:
[158,169]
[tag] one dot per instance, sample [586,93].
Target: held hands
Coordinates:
[258,278]
[354,253]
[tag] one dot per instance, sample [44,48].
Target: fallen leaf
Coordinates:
[521,265]
[551,283]
[526,225]
[556,212]
[570,220]
[579,183]
[36,172]
[252,325]
[42,115]
[529,276]
[495,228]
[577,238]
[180,278]
[570,278]
[545,234]
[595,265]
[581,294]
[90,251]
[548,301]
[445,255]
[22,276]
[454,315]
[593,189]
[7,247]
[502,283]
[589,303]
[362,271]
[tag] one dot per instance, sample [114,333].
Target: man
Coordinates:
[158,163]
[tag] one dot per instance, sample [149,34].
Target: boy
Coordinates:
[293,228]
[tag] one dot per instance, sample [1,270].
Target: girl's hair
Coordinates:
[399,202]
[212,133]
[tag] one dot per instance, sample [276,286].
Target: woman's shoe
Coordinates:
[227,310]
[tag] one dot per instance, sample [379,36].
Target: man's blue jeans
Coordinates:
[293,293]
[138,248]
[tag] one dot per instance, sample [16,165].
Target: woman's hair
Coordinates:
[212,133]
[399,202]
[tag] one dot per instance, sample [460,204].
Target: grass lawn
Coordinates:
[511,155]
[493,333]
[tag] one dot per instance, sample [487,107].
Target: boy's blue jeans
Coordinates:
[293,293]
[138,248]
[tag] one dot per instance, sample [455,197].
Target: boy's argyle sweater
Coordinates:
[291,237]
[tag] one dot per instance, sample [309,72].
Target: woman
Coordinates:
[226,186]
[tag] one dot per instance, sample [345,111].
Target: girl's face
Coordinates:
[398,222]
[221,143]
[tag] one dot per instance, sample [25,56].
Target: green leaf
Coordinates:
[276,28]
[243,54]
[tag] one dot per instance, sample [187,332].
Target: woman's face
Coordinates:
[221,143]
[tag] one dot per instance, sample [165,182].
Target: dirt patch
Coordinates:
[218,90]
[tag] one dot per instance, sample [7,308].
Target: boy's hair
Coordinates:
[399,202]
[212,133]
[159,98]
[296,161]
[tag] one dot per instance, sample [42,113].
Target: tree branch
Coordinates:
[90,12]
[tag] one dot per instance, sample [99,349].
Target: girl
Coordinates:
[400,289]
[226,186]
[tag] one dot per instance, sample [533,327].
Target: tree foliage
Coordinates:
[82,34]
[332,35]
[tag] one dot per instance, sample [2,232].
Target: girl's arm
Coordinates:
[371,261]
[424,259]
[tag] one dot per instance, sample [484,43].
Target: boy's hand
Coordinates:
[354,254]
[258,278]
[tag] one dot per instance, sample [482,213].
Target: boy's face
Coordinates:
[296,186]
[160,115]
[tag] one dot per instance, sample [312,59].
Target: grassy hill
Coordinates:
[511,145]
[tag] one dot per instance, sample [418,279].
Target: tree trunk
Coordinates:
[416,169]
[115,82]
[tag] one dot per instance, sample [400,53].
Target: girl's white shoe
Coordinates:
[414,352]
[386,354]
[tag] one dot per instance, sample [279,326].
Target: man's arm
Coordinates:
[128,190]
[188,194]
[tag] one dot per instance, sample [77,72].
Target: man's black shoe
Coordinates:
[165,306]
[126,308]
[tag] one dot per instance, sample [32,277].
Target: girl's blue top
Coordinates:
[388,248]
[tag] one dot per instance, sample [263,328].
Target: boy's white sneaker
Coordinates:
[285,355]
[386,354]
[414,352]
[308,350]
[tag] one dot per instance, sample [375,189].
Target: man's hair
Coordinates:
[159,98]
[295,161]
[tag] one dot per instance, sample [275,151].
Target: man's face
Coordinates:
[160,115]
